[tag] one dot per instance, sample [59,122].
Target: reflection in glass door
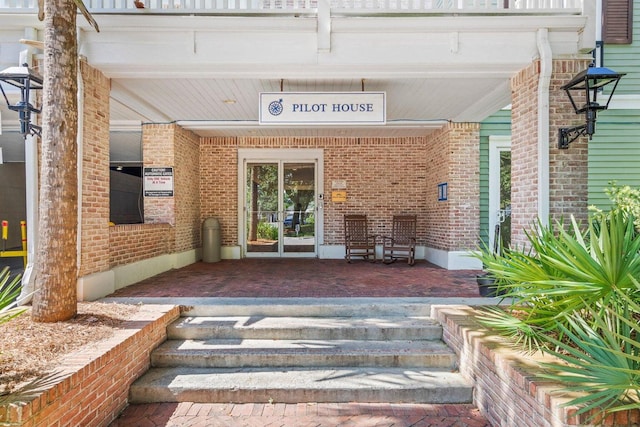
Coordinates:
[299,196]
[499,192]
[505,199]
[280,209]
[262,208]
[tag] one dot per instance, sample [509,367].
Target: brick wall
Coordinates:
[130,243]
[104,247]
[159,151]
[219,185]
[94,243]
[453,156]
[464,185]
[92,386]
[505,387]
[384,176]
[187,190]
[524,151]
[568,169]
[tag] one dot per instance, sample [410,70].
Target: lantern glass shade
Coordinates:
[21,77]
[584,89]
[24,79]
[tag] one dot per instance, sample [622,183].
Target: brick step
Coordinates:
[311,328]
[303,353]
[295,385]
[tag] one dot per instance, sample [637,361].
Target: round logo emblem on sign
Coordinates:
[275,107]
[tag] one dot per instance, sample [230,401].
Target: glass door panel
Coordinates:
[263,208]
[299,195]
[505,199]
[280,206]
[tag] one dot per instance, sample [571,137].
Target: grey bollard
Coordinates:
[211,240]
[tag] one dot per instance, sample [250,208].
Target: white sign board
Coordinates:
[158,182]
[322,108]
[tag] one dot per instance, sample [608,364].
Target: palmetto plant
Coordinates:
[575,294]
[602,355]
[9,291]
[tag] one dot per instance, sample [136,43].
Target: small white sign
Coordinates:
[323,108]
[339,184]
[158,182]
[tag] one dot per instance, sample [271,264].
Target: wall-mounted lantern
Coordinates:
[585,87]
[25,79]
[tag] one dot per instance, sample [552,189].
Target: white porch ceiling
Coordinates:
[206,73]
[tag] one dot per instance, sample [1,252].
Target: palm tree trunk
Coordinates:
[56,273]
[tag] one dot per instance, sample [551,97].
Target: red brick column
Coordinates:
[567,168]
[187,190]
[158,151]
[168,145]
[94,241]
[453,157]
[524,152]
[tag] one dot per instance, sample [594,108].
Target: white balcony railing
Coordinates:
[311,6]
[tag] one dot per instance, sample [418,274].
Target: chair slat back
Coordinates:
[355,228]
[404,228]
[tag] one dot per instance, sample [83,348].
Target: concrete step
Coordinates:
[303,353]
[304,350]
[311,307]
[246,385]
[310,328]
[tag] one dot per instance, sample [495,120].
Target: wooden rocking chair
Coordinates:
[402,243]
[358,241]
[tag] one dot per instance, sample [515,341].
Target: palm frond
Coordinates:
[524,335]
[602,359]
[10,288]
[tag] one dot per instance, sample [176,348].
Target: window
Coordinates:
[126,202]
[617,21]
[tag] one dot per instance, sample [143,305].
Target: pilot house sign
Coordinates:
[323,108]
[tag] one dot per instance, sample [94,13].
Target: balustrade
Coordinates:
[311,6]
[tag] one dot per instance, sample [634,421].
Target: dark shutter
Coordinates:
[617,21]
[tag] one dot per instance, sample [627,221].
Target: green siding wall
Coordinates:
[623,58]
[496,124]
[614,151]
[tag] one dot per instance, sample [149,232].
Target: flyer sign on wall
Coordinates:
[322,108]
[158,182]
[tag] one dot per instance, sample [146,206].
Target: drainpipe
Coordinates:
[31,195]
[544,82]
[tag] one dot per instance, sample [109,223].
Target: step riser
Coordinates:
[442,361]
[366,334]
[348,309]
[419,395]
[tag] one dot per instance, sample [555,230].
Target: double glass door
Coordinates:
[280,208]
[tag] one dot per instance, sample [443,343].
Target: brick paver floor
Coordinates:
[280,278]
[287,277]
[300,415]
